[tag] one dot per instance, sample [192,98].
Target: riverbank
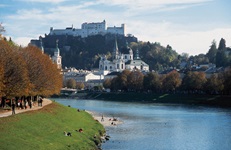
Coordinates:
[106,121]
[190,99]
[44,129]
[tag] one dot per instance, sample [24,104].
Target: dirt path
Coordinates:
[17,111]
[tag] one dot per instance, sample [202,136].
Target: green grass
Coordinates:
[43,129]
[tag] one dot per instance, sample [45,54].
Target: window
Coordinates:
[122,66]
[118,66]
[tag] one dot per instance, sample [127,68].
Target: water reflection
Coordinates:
[153,126]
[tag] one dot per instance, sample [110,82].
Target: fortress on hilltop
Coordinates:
[88,29]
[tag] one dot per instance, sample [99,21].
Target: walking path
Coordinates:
[35,107]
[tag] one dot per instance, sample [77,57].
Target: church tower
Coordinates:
[130,56]
[115,53]
[41,45]
[137,57]
[57,58]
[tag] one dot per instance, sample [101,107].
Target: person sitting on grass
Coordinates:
[67,133]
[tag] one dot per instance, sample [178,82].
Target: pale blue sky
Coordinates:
[187,25]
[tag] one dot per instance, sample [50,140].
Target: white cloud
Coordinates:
[155,5]
[182,39]
[45,1]
[22,41]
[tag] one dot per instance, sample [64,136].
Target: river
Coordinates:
[162,126]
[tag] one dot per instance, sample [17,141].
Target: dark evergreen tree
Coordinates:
[221,59]
[212,52]
[222,45]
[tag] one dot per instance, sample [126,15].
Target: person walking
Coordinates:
[102,119]
[13,108]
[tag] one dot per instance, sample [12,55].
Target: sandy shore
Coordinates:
[107,120]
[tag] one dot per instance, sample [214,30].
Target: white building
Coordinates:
[121,62]
[88,29]
[57,59]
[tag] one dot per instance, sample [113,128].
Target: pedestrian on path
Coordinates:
[13,108]
[102,119]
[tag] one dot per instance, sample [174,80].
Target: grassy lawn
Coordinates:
[43,129]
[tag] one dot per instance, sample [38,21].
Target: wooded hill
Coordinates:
[84,53]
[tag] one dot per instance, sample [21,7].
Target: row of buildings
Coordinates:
[108,67]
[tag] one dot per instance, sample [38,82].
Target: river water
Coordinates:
[162,126]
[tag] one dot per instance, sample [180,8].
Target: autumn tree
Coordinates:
[51,77]
[80,85]
[115,85]
[227,81]
[71,83]
[194,81]
[123,80]
[1,79]
[171,81]
[152,82]
[214,84]
[45,78]
[107,83]
[15,75]
[135,81]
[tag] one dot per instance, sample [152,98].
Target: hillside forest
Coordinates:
[84,53]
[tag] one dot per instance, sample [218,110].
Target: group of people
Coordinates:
[69,133]
[113,120]
[23,104]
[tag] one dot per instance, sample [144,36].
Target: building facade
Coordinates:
[121,61]
[57,59]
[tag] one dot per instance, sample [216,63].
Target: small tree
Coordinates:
[123,80]
[152,82]
[79,85]
[135,81]
[214,84]
[227,81]
[107,83]
[194,81]
[171,81]
[71,83]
